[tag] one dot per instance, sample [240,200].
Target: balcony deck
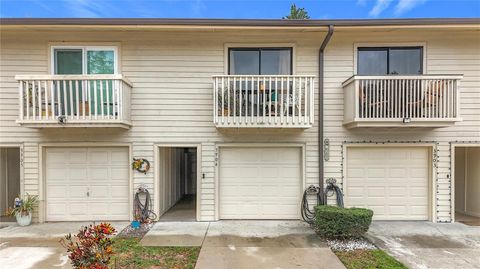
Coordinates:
[263,101]
[402,101]
[74,101]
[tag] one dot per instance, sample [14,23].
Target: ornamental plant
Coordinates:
[91,247]
[341,223]
[23,206]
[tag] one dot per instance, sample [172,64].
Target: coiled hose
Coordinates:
[321,195]
[142,206]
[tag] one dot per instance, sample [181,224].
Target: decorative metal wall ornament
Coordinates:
[326,149]
[141,165]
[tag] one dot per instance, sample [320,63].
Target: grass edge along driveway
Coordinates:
[129,254]
[366,259]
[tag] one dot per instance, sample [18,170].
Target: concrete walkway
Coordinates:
[429,245]
[225,244]
[37,246]
[247,244]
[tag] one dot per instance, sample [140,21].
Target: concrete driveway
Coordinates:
[247,244]
[37,246]
[429,245]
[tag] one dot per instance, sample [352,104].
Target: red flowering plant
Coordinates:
[91,247]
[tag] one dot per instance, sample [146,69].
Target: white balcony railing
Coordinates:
[392,101]
[74,100]
[263,101]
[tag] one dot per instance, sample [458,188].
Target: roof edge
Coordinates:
[236,22]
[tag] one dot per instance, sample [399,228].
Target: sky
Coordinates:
[239,9]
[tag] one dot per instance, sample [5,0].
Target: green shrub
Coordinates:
[337,222]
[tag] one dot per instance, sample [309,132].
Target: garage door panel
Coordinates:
[376,192]
[77,173]
[72,172]
[98,173]
[56,156]
[78,207]
[75,191]
[77,156]
[392,181]
[119,174]
[97,156]
[99,191]
[260,183]
[119,156]
[119,191]
[376,173]
[56,191]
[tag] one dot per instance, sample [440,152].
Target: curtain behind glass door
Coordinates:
[101,62]
[66,62]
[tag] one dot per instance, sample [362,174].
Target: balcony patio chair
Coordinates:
[429,101]
[370,107]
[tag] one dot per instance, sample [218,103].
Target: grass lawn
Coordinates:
[130,254]
[368,259]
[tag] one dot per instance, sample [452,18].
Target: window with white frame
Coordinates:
[86,60]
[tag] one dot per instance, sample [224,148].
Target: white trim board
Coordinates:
[454,145]
[156,173]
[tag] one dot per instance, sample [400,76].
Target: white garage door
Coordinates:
[87,184]
[260,183]
[392,181]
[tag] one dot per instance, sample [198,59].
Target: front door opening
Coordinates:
[9,180]
[467,185]
[177,183]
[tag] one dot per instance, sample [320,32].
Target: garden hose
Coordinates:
[142,208]
[321,195]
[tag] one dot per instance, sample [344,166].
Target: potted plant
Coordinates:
[23,209]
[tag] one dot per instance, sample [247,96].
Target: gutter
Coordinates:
[320,105]
[235,22]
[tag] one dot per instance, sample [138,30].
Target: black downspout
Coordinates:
[320,105]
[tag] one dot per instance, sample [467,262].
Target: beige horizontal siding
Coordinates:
[171,99]
[172,96]
[447,52]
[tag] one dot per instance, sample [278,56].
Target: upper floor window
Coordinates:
[390,61]
[84,60]
[260,61]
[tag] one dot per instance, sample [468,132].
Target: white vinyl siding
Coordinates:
[84,184]
[392,181]
[260,183]
[447,52]
[171,73]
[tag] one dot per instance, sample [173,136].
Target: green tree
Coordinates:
[297,14]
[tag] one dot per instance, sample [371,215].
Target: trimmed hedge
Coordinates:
[337,222]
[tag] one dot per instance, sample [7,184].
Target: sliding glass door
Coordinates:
[94,97]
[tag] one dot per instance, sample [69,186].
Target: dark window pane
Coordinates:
[405,61]
[68,61]
[100,62]
[372,62]
[244,62]
[276,62]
